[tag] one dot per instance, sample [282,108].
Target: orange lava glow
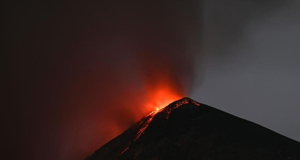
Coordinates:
[161,98]
[158,99]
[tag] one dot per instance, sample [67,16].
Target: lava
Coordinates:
[184,101]
[158,105]
[145,124]
[166,108]
[160,98]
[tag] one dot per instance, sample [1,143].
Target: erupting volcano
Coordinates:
[186,129]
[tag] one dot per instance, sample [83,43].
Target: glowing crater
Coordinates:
[168,108]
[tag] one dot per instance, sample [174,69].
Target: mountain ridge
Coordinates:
[186,129]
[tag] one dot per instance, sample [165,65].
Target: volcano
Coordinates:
[188,130]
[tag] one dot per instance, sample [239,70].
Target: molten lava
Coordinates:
[145,124]
[160,96]
[168,108]
[159,99]
[157,103]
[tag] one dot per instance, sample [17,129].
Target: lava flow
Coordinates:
[158,105]
[144,125]
[158,101]
[167,108]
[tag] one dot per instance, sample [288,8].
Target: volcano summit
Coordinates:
[188,130]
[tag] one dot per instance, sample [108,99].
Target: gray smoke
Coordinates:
[250,62]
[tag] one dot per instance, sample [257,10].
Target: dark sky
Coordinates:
[78,73]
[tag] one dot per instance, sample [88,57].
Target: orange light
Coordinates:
[160,98]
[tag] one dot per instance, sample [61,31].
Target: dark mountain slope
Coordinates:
[187,130]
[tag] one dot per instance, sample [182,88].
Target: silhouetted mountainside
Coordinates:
[188,130]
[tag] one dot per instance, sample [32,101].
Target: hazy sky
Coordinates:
[78,73]
[251,62]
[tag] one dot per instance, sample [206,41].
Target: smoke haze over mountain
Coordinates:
[73,69]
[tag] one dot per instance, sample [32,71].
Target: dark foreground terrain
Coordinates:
[187,130]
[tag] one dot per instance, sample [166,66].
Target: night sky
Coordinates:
[78,73]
